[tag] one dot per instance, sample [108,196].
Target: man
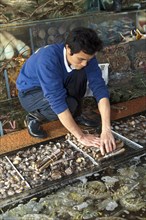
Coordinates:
[53,81]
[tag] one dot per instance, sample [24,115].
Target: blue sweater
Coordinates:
[46,69]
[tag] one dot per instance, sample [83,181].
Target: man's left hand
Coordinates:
[107,142]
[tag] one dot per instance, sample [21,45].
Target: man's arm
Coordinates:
[70,124]
[107,142]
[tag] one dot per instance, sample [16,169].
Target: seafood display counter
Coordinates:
[117,193]
[41,169]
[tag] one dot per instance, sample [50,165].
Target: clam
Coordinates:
[68,171]
[10,192]
[16,160]
[55,174]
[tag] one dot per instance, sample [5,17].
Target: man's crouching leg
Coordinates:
[33,122]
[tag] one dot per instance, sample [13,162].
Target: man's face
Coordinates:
[78,60]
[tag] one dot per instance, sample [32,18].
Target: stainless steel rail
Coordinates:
[130,143]
[18,172]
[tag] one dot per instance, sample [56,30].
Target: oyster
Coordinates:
[132,202]
[97,189]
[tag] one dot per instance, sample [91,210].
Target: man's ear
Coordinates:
[68,50]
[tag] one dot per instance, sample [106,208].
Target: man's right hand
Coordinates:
[90,140]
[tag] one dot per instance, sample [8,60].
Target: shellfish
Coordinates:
[132,202]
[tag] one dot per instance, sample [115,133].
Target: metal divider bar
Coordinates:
[17,171]
[129,142]
[31,40]
[7,84]
[72,144]
[1,129]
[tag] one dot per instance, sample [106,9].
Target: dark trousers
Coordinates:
[34,100]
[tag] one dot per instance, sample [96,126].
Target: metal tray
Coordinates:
[132,129]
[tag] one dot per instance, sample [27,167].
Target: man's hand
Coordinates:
[90,140]
[107,142]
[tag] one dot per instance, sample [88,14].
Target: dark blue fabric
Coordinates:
[32,100]
[46,69]
[35,101]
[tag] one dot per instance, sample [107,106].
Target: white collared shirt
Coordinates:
[68,68]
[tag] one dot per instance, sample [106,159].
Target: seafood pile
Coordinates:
[10,69]
[113,194]
[13,54]
[3,91]
[10,181]
[53,32]
[45,163]
[10,44]
[133,128]
[94,152]
[16,11]
[109,30]
[36,165]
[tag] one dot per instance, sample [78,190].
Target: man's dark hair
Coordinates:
[83,39]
